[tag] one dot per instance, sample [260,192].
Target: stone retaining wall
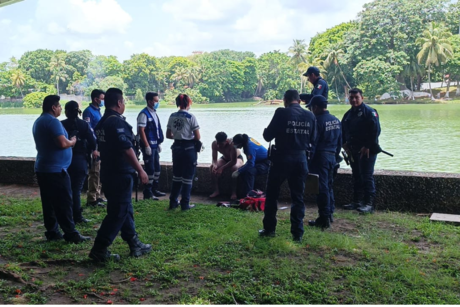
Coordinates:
[396,191]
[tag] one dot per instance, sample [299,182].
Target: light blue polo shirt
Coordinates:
[92,115]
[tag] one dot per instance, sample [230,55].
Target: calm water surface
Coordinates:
[421,137]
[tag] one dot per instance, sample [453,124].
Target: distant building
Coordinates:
[197,52]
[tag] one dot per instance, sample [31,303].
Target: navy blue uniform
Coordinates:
[256,164]
[155,137]
[325,149]
[293,129]
[361,128]
[78,169]
[320,88]
[114,136]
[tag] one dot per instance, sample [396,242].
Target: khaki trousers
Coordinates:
[94,181]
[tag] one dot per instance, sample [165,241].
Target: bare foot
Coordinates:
[215,194]
[233,197]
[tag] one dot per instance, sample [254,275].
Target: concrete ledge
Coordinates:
[396,191]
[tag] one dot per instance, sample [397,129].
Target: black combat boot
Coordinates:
[322,222]
[155,191]
[353,205]
[137,247]
[103,255]
[367,207]
[266,233]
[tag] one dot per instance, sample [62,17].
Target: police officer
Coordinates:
[360,136]
[118,166]
[320,86]
[325,149]
[86,143]
[151,136]
[257,162]
[293,129]
[184,129]
[92,114]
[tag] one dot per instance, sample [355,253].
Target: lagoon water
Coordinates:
[422,138]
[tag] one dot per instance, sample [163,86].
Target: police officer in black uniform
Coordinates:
[86,143]
[360,136]
[293,129]
[320,86]
[327,146]
[118,166]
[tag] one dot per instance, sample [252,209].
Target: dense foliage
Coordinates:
[393,45]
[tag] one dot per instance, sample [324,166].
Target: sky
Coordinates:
[166,27]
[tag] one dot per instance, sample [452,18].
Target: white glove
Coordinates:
[235,174]
[148,151]
[159,148]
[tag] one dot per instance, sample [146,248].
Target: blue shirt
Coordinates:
[50,157]
[92,115]
[255,152]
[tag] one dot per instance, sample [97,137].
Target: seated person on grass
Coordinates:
[231,159]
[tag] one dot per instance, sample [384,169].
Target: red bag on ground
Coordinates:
[254,201]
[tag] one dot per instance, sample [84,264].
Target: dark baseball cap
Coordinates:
[319,101]
[304,97]
[312,70]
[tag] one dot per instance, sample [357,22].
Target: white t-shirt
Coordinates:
[182,125]
[142,119]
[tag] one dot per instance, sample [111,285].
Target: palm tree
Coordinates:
[299,54]
[180,75]
[57,67]
[332,55]
[412,70]
[436,48]
[18,79]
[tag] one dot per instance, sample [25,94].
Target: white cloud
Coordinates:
[85,17]
[128,44]
[5,22]
[54,28]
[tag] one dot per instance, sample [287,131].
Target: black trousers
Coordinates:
[56,195]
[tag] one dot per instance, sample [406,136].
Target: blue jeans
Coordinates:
[78,170]
[118,189]
[363,177]
[323,165]
[184,158]
[294,168]
[152,168]
[249,176]
[56,196]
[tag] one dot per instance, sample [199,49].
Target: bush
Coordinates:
[271,95]
[170,95]
[139,98]
[34,100]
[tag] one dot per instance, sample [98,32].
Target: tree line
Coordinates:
[393,45]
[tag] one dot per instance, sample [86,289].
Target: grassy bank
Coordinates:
[213,255]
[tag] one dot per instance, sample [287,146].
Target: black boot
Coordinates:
[102,254]
[322,222]
[155,190]
[367,207]
[137,247]
[353,205]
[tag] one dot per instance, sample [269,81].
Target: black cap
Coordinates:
[319,101]
[304,97]
[72,105]
[312,70]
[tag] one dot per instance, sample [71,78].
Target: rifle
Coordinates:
[379,149]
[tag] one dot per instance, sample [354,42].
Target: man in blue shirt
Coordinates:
[92,114]
[54,154]
[325,150]
[256,161]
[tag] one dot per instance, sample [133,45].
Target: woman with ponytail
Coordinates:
[183,128]
[86,143]
[257,161]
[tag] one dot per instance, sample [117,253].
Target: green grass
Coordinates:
[224,105]
[212,255]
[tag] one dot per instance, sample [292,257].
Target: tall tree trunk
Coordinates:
[429,81]
[337,91]
[412,87]
[301,84]
[343,76]
[20,89]
[57,86]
